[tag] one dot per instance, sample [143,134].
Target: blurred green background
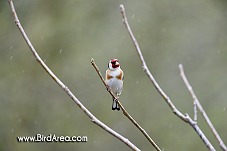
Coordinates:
[67,34]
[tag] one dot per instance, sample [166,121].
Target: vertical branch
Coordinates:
[145,68]
[190,90]
[65,88]
[123,109]
[196,101]
[186,118]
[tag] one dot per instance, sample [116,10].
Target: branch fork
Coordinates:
[186,118]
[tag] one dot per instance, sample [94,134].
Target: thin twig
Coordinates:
[186,118]
[123,109]
[195,111]
[145,68]
[195,99]
[65,88]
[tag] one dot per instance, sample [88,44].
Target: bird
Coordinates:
[114,80]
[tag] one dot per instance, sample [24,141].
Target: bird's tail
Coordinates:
[115,105]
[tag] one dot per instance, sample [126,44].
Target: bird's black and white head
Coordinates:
[114,64]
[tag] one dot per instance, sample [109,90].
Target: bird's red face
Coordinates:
[114,63]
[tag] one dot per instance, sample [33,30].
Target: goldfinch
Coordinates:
[114,79]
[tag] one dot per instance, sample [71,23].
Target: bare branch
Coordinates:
[196,101]
[195,111]
[65,88]
[183,117]
[145,68]
[189,89]
[123,109]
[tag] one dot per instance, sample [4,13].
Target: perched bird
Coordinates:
[114,79]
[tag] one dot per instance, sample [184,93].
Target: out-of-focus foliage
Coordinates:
[67,34]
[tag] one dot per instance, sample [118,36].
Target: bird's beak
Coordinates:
[117,63]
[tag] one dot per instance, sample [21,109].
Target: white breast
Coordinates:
[115,84]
